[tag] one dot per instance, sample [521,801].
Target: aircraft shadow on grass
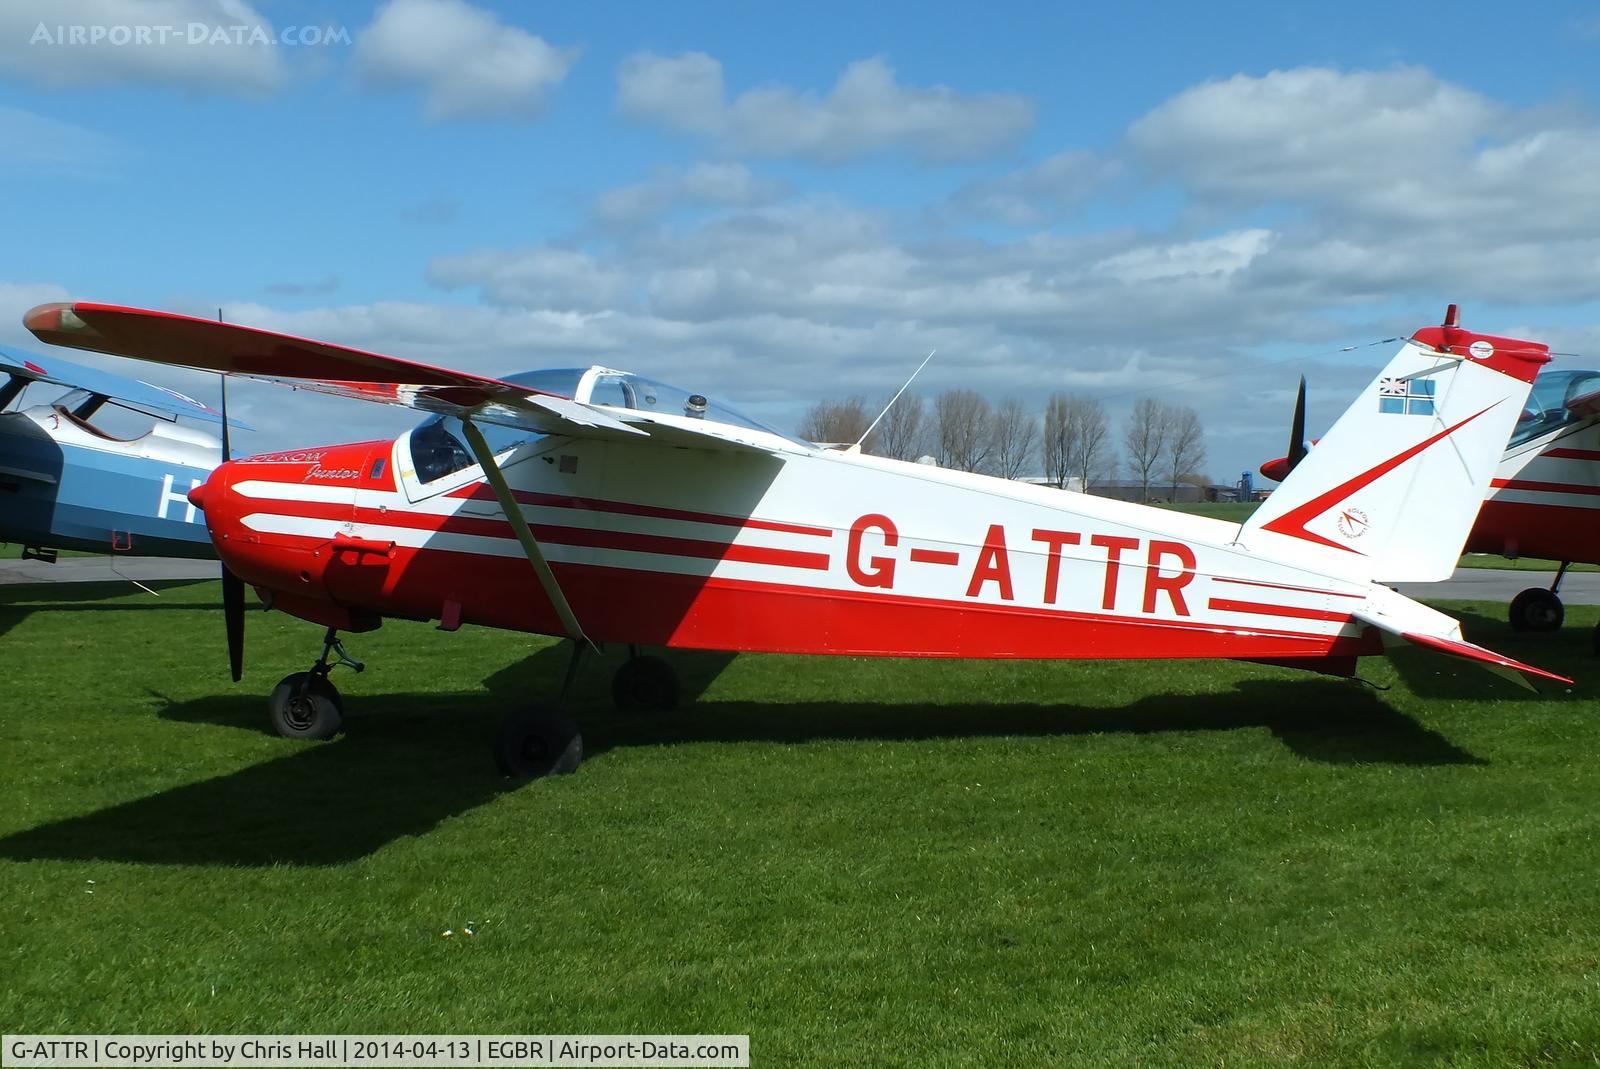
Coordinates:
[411,761]
[19,600]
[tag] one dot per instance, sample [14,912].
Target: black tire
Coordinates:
[645,683]
[1536,609]
[536,743]
[306,706]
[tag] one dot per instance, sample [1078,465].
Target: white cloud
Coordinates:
[1035,194]
[539,278]
[142,42]
[701,186]
[468,63]
[867,111]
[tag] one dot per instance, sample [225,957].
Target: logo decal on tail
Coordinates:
[1293,523]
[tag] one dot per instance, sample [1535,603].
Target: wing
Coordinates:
[134,393]
[166,338]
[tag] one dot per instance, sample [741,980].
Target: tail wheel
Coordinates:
[1536,609]
[306,706]
[538,742]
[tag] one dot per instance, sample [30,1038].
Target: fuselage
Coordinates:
[1545,500]
[788,550]
[65,484]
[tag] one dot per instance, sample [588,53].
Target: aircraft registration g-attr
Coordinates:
[599,505]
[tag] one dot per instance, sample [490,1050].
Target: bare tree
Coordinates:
[1145,438]
[1016,430]
[966,430]
[900,434]
[1186,444]
[1053,447]
[1088,439]
[835,422]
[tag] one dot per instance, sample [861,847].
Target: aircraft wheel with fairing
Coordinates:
[536,742]
[1536,609]
[647,683]
[306,706]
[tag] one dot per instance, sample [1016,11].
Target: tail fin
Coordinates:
[1391,492]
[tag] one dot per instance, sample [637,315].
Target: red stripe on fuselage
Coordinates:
[1257,608]
[497,527]
[1285,586]
[482,492]
[1544,487]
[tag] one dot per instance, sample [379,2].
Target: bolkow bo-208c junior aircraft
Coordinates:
[67,482]
[605,507]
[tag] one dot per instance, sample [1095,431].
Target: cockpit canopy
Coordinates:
[1546,408]
[437,447]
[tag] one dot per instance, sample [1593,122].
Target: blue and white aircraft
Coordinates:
[68,483]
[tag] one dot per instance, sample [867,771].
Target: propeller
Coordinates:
[1279,469]
[1297,430]
[232,585]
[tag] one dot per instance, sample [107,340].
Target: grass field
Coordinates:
[856,862]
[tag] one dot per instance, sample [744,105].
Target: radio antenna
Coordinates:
[873,425]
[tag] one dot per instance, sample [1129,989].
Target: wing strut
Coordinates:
[519,523]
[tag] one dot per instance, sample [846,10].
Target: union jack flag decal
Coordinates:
[1405,397]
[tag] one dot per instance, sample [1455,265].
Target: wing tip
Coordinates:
[57,317]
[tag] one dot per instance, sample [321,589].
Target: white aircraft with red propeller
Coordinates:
[601,506]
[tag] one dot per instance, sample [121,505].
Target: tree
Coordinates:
[1053,448]
[966,430]
[1074,443]
[1186,444]
[1090,439]
[838,422]
[1145,438]
[1015,433]
[900,434]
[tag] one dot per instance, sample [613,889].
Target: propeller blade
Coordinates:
[233,617]
[1297,430]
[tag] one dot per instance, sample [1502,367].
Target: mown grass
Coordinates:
[857,862]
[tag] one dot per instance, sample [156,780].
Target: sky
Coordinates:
[779,204]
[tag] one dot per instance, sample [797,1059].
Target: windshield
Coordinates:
[438,447]
[1546,407]
[617,389]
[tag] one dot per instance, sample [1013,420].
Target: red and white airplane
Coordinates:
[601,506]
[1544,498]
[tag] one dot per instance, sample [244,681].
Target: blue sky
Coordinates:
[780,204]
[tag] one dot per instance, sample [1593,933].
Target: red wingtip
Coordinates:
[1452,316]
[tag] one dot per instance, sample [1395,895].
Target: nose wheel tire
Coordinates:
[536,742]
[306,706]
[1536,609]
[645,683]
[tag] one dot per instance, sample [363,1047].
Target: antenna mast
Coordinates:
[873,425]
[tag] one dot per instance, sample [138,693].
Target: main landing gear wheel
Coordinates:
[306,706]
[1536,609]
[538,742]
[645,683]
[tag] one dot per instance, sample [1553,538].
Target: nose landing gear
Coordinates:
[306,705]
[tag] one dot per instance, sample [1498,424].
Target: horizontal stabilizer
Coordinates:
[1416,623]
[1473,652]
